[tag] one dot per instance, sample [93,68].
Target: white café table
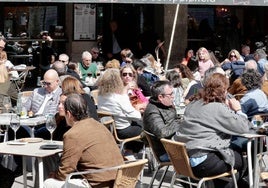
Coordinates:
[31,150]
[30,122]
[258,139]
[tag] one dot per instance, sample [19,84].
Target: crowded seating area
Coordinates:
[100,122]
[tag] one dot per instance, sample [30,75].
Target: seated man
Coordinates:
[160,117]
[45,100]
[87,145]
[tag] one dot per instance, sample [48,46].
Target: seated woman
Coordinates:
[233,65]
[210,121]
[72,85]
[112,98]
[129,76]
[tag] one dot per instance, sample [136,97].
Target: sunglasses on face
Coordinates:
[44,83]
[232,56]
[127,73]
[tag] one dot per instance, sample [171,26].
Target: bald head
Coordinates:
[51,80]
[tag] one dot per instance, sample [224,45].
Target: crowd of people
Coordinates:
[195,102]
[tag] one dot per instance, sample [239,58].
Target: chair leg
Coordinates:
[143,157]
[200,183]
[234,180]
[189,180]
[163,176]
[153,178]
[173,180]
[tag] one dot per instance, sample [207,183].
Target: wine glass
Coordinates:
[15,124]
[51,125]
[7,103]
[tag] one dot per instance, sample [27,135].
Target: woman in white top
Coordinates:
[113,99]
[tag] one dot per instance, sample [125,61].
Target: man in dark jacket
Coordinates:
[160,117]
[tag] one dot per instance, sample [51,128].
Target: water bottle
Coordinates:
[19,103]
[38,81]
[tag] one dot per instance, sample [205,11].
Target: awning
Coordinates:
[189,2]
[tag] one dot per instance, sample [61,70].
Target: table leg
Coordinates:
[24,171]
[41,171]
[33,168]
[250,175]
[32,132]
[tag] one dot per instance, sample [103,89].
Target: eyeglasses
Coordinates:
[44,83]
[127,73]
[169,94]
[232,56]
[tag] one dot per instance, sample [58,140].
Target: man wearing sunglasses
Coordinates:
[45,100]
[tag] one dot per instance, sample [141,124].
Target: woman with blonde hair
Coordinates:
[233,66]
[113,99]
[204,60]
[233,56]
[71,85]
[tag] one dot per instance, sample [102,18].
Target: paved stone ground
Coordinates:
[146,180]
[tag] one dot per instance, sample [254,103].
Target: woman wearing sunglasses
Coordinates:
[129,78]
[233,65]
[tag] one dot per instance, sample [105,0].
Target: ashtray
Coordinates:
[49,146]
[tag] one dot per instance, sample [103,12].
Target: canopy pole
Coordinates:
[172,36]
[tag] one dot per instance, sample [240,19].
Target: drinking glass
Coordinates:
[7,104]
[51,125]
[15,124]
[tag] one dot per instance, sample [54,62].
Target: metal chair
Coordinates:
[19,82]
[150,138]
[126,177]
[180,160]
[260,171]
[109,121]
